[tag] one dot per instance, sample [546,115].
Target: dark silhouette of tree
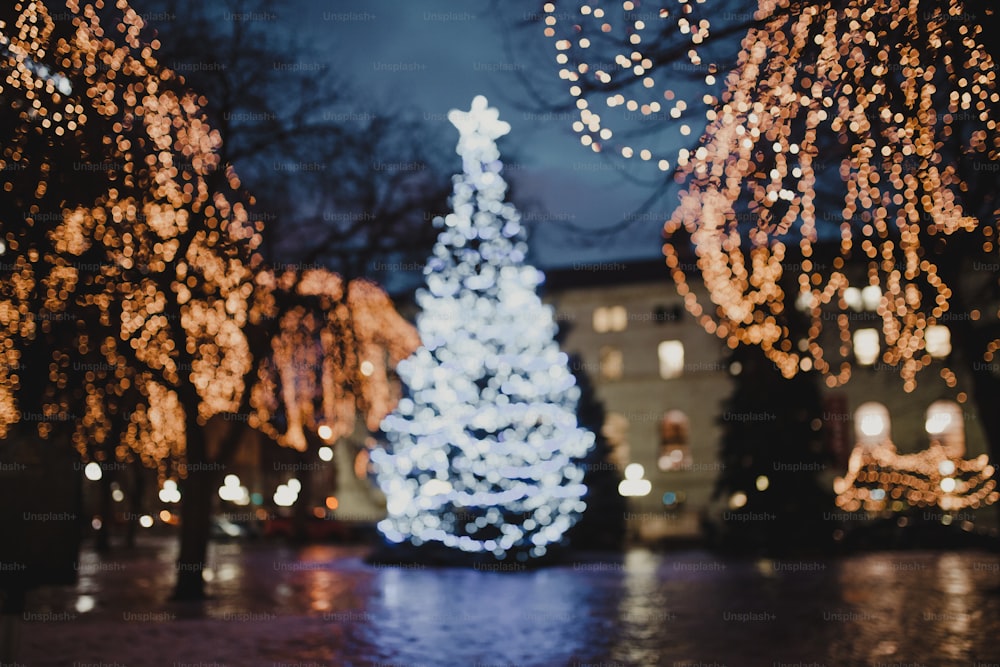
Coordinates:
[603,523]
[771,495]
[346,182]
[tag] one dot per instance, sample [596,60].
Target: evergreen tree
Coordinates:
[480,453]
[603,524]
[774,499]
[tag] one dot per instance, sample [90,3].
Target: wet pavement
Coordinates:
[323,605]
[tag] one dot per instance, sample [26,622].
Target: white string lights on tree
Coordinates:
[626,80]
[904,90]
[480,453]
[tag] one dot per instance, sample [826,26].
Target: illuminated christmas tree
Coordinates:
[482,452]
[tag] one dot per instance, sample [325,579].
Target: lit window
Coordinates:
[671,354]
[871,297]
[634,484]
[675,445]
[612,364]
[852,297]
[601,324]
[610,318]
[938,341]
[871,424]
[866,346]
[945,425]
[803,302]
[615,431]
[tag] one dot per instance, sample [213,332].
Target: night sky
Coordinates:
[436,55]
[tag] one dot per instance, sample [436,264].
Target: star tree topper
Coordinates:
[481,119]
[478,129]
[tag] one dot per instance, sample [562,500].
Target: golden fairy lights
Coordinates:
[134,281]
[313,376]
[879,478]
[903,104]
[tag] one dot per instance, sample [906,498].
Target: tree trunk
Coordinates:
[11,609]
[302,510]
[106,510]
[196,509]
[135,505]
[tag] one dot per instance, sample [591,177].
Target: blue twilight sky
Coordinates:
[435,55]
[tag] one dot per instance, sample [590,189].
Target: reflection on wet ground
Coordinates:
[690,608]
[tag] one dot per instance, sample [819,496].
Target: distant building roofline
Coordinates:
[607,273]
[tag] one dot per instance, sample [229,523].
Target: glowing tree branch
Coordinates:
[132,272]
[894,99]
[133,312]
[134,279]
[331,358]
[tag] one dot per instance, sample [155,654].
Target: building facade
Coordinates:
[663,379]
[663,382]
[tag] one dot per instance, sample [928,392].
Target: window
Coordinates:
[852,297]
[867,298]
[675,441]
[938,341]
[866,346]
[671,354]
[945,425]
[871,297]
[610,318]
[871,424]
[611,363]
[803,302]
[615,431]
